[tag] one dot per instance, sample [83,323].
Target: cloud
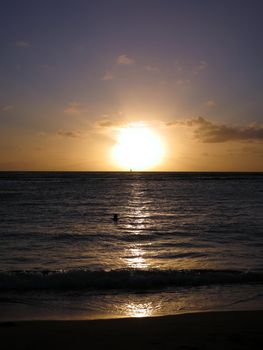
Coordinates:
[71,134]
[7,108]
[108,76]
[215,133]
[42,134]
[125,60]
[210,132]
[201,66]
[152,69]
[74,108]
[183,83]
[210,103]
[24,44]
[107,122]
[252,151]
[188,70]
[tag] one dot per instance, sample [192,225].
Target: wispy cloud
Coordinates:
[41,133]
[190,69]
[108,76]
[210,103]
[71,134]
[201,66]
[252,150]
[108,122]
[183,83]
[24,44]
[74,108]
[105,123]
[7,108]
[125,60]
[211,132]
[153,69]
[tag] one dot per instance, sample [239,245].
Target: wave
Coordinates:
[122,279]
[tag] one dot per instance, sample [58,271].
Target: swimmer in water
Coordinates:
[115,217]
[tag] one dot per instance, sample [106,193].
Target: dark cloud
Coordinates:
[105,123]
[210,132]
[73,134]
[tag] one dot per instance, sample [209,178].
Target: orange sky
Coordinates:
[73,78]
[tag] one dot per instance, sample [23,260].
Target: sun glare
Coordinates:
[138,148]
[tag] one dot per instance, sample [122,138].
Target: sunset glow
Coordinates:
[138,148]
[118,85]
[131,174]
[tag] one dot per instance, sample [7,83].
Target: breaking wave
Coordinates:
[122,279]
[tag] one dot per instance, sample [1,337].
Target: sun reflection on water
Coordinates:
[134,258]
[137,224]
[139,310]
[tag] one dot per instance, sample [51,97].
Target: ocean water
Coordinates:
[184,242]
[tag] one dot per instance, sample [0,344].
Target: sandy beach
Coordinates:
[212,330]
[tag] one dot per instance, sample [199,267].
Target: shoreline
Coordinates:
[206,330]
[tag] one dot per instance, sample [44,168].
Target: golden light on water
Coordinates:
[139,309]
[135,258]
[138,148]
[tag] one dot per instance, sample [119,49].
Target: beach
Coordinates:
[209,330]
[131,175]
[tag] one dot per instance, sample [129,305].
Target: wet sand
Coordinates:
[211,330]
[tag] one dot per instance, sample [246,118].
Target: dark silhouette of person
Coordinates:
[115,217]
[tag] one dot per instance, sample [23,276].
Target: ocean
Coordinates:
[184,242]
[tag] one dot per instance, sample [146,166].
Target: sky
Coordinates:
[74,73]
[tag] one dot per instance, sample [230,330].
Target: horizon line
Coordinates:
[134,171]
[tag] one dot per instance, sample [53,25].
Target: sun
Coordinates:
[138,148]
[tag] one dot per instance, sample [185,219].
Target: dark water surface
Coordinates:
[183,242]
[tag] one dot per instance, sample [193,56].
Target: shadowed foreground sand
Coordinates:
[213,330]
